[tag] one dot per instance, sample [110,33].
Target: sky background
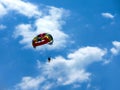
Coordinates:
[85,53]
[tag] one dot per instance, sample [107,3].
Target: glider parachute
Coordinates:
[41,39]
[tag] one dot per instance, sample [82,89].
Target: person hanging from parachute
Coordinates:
[49,59]
[41,39]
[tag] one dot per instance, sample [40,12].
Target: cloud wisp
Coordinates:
[63,71]
[19,6]
[2,27]
[108,15]
[116,48]
[3,10]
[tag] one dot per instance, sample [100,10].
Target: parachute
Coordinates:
[41,39]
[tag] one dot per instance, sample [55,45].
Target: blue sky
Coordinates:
[86,50]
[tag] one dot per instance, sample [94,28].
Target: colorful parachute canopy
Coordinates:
[41,39]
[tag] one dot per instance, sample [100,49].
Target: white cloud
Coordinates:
[51,23]
[24,30]
[31,83]
[107,61]
[116,49]
[3,11]
[2,27]
[19,6]
[61,71]
[107,15]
